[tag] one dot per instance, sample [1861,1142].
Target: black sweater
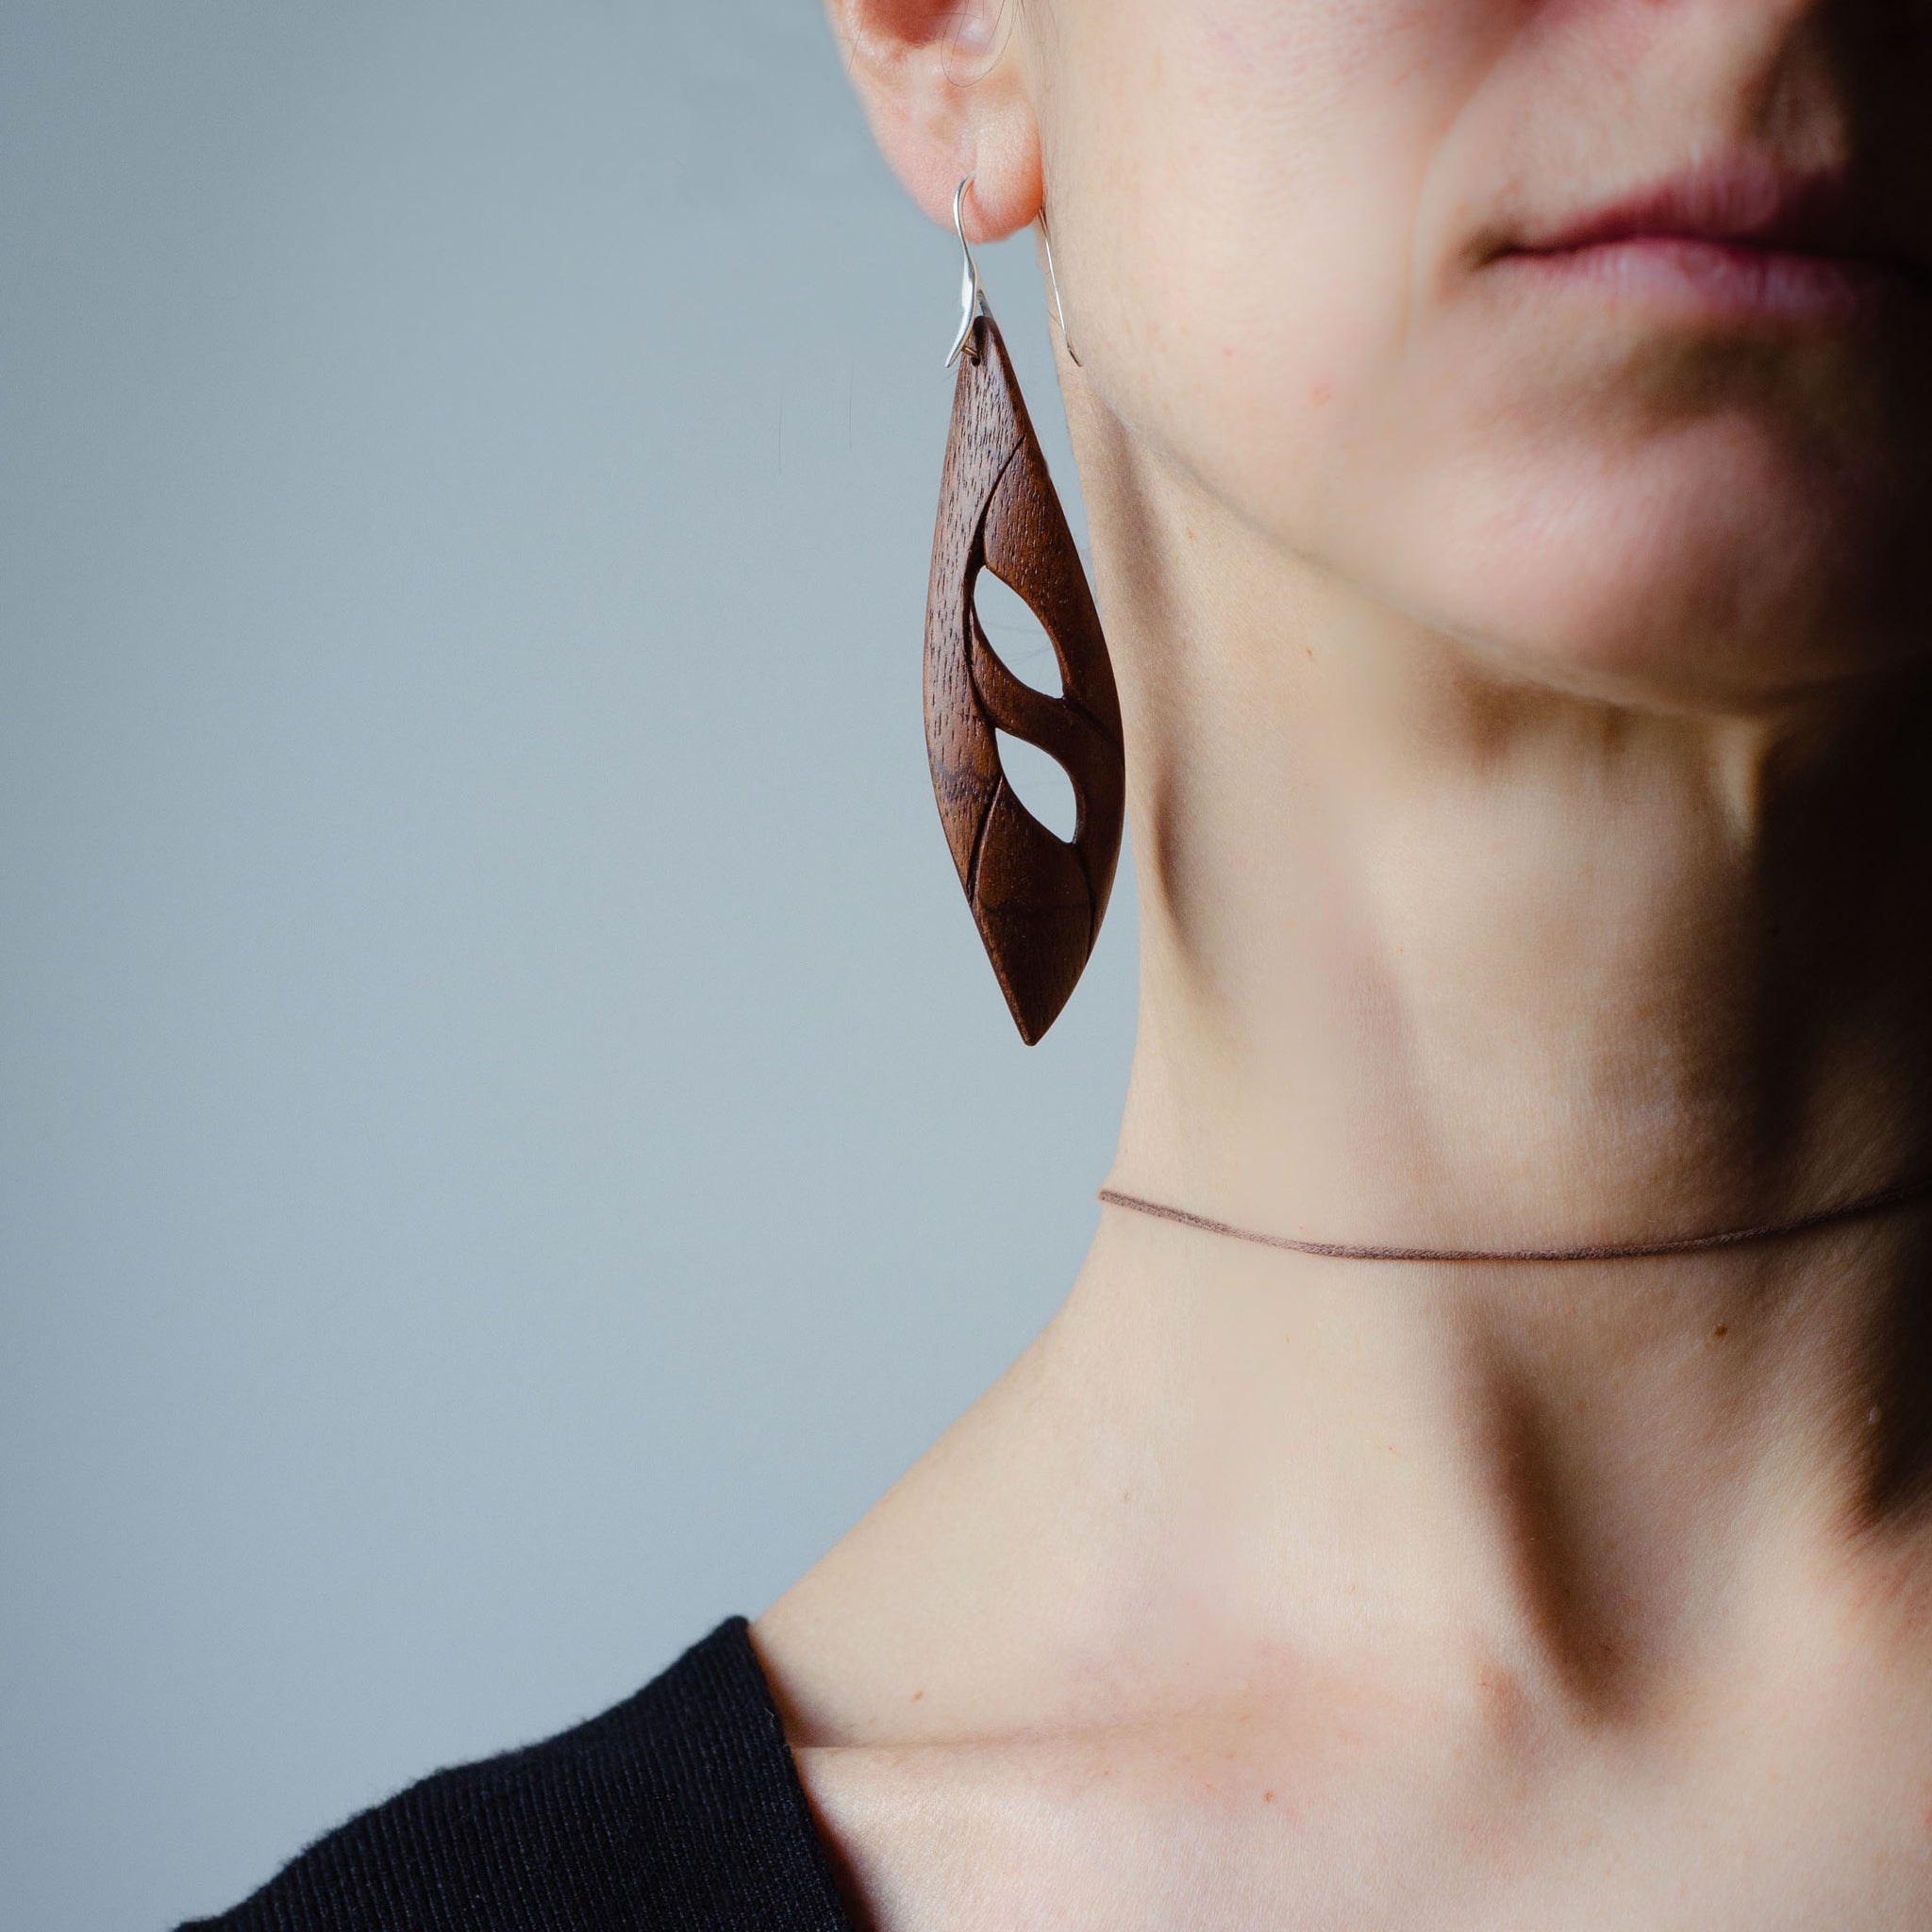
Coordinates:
[678,1812]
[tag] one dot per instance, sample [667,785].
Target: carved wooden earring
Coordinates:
[1036,899]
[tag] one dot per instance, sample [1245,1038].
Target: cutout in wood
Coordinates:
[1018,637]
[1039,784]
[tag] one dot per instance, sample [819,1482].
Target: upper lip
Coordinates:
[1747,202]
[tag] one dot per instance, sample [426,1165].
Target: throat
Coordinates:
[1604,1477]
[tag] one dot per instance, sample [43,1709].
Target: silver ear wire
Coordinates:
[1053,277]
[972,296]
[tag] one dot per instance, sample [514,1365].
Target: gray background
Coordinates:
[507,1142]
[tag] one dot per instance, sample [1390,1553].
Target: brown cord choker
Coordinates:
[1627,1251]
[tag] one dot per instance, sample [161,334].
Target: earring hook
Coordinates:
[972,296]
[1053,277]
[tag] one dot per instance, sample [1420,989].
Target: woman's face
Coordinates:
[1590,332]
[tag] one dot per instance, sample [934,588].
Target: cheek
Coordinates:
[1271,191]
[1251,176]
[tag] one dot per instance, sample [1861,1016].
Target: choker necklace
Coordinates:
[1626,1251]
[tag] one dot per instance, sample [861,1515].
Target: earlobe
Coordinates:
[944,86]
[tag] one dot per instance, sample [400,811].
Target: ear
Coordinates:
[944,86]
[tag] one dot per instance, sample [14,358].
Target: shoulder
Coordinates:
[680,1807]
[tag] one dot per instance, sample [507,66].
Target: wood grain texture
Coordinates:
[1037,900]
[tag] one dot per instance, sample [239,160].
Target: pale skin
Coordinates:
[1529,753]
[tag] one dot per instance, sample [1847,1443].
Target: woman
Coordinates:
[1508,453]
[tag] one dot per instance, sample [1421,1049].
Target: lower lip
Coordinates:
[1725,280]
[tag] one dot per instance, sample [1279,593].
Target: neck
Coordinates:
[1435,957]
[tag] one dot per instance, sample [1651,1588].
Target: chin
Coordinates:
[1712,569]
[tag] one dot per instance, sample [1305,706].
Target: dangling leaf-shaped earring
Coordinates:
[1036,899]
